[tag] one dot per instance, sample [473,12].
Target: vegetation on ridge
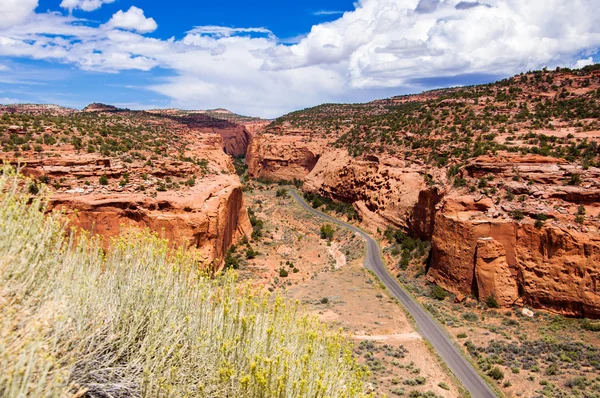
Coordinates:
[140,319]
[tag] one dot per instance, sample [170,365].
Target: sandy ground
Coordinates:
[331,283]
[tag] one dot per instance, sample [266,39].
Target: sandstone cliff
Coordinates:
[119,170]
[283,157]
[478,247]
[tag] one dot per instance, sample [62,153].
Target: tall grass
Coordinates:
[140,320]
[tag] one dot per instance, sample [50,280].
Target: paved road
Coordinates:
[428,328]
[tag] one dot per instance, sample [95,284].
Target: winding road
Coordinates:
[428,327]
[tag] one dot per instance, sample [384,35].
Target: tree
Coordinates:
[491,302]
[103,180]
[282,193]
[496,373]
[438,293]
[327,232]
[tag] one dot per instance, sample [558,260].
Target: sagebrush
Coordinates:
[140,319]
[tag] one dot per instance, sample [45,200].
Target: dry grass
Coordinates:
[140,320]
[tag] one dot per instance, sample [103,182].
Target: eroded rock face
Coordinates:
[495,278]
[551,267]
[235,139]
[283,157]
[166,172]
[210,217]
[384,190]
[477,247]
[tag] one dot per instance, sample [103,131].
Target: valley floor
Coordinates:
[330,282]
[544,356]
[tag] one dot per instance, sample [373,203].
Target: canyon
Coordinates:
[501,179]
[512,212]
[111,171]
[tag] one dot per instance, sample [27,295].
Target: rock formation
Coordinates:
[140,170]
[511,206]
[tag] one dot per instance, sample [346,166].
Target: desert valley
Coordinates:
[484,202]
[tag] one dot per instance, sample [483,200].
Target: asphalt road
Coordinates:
[428,328]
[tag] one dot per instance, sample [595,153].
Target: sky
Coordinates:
[267,58]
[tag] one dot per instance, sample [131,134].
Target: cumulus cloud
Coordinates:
[388,43]
[391,45]
[132,19]
[84,5]
[13,12]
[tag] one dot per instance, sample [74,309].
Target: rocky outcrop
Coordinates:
[208,213]
[235,138]
[552,267]
[385,191]
[477,247]
[283,157]
[98,107]
[210,217]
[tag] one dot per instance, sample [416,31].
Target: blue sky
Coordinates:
[267,58]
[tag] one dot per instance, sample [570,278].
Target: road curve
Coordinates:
[428,328]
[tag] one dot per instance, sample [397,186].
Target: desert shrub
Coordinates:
[103,180]
[517,215]
[251,253]
[232,260]
[491,302]
[282,193]
[591,326]
[438,293]
[575,179]
[470,316]
[283,273]
[496,373]
[327,232]
[139,319]
[459,182]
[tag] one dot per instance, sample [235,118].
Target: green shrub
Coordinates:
[517,215]
[496,373]
[327,232]
[282,193]
[575,179]
[283,273]
[470,316]
[251,253]
[103,180]
[438,293]
[491,302]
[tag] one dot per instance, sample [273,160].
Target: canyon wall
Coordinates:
[210,215]
[477,247]
[283,157]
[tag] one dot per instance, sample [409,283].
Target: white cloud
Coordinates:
[327,12]
[13,12]
[224,31]
[584,62]
[388,43]
[391,45]
[133,19]
[3,67]
[84,5]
